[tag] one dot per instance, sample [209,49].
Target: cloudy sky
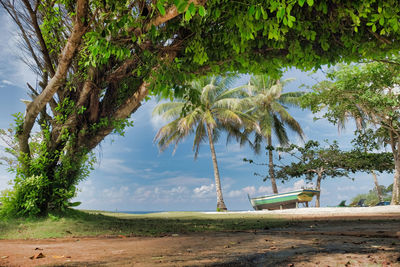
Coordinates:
[132,175]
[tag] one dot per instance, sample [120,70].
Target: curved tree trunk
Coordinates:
[378,189]
[271,166]
[220,200]
[317,200]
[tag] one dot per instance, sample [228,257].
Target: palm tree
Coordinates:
[216,110]
[268,105]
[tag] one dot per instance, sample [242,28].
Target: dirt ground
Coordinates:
[319,241]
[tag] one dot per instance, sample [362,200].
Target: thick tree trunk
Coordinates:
[220,200]
[378,189]
[317,200]
[271,166]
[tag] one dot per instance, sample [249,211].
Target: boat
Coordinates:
[286,200]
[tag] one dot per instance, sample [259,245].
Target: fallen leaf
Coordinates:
[58,257]
[37,256]
[122,236]
[4,257]
[38,249]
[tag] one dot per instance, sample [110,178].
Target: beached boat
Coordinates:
[286,200]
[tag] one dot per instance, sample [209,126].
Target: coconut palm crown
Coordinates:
[267,103]
[217,110]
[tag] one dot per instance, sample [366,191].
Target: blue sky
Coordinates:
[131,173]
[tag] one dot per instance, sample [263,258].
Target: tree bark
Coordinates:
[317,200]
[378,189]
[220,200]
[395,144]
[271,166]
[57,80]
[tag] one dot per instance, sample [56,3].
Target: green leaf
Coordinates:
[217,13]
[281,13]
[202,11]
[161,8]
[188,16]
[182,6]
[301,2]
[258,14]
[192,9]
[251,11]
[310,2]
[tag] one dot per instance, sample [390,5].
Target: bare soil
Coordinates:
[317,241]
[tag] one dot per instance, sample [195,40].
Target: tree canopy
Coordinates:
[98,60]
[312,160]
[369,91]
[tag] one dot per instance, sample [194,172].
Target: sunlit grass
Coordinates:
[98,223]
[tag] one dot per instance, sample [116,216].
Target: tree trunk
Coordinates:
[317,200]
[378,189]
[220,200]
[395,144]
[271,166]
[396,180]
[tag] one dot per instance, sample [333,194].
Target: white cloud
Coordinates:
[265,190]
[297,185]
[7,82]
[4,179]
[157,122]
[116,194]
[204,191]
[115,166]
[17,72]
[185,180]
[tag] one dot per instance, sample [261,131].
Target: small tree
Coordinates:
[312,160]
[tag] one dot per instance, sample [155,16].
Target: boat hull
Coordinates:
[286,200]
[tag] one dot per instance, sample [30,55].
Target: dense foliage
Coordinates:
[371,91]
[97,60]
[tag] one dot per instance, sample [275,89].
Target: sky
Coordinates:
[132,175]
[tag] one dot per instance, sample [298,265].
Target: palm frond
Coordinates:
[199,137]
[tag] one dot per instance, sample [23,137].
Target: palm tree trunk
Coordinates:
[378,189]
[271,166]
[220,200]
[317,201]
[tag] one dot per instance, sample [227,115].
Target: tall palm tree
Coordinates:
[216,110]
[268,105]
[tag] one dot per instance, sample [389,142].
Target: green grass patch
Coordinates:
[98,223]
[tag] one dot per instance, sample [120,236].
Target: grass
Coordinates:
[98,223]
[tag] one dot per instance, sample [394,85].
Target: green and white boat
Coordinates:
[286,200]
